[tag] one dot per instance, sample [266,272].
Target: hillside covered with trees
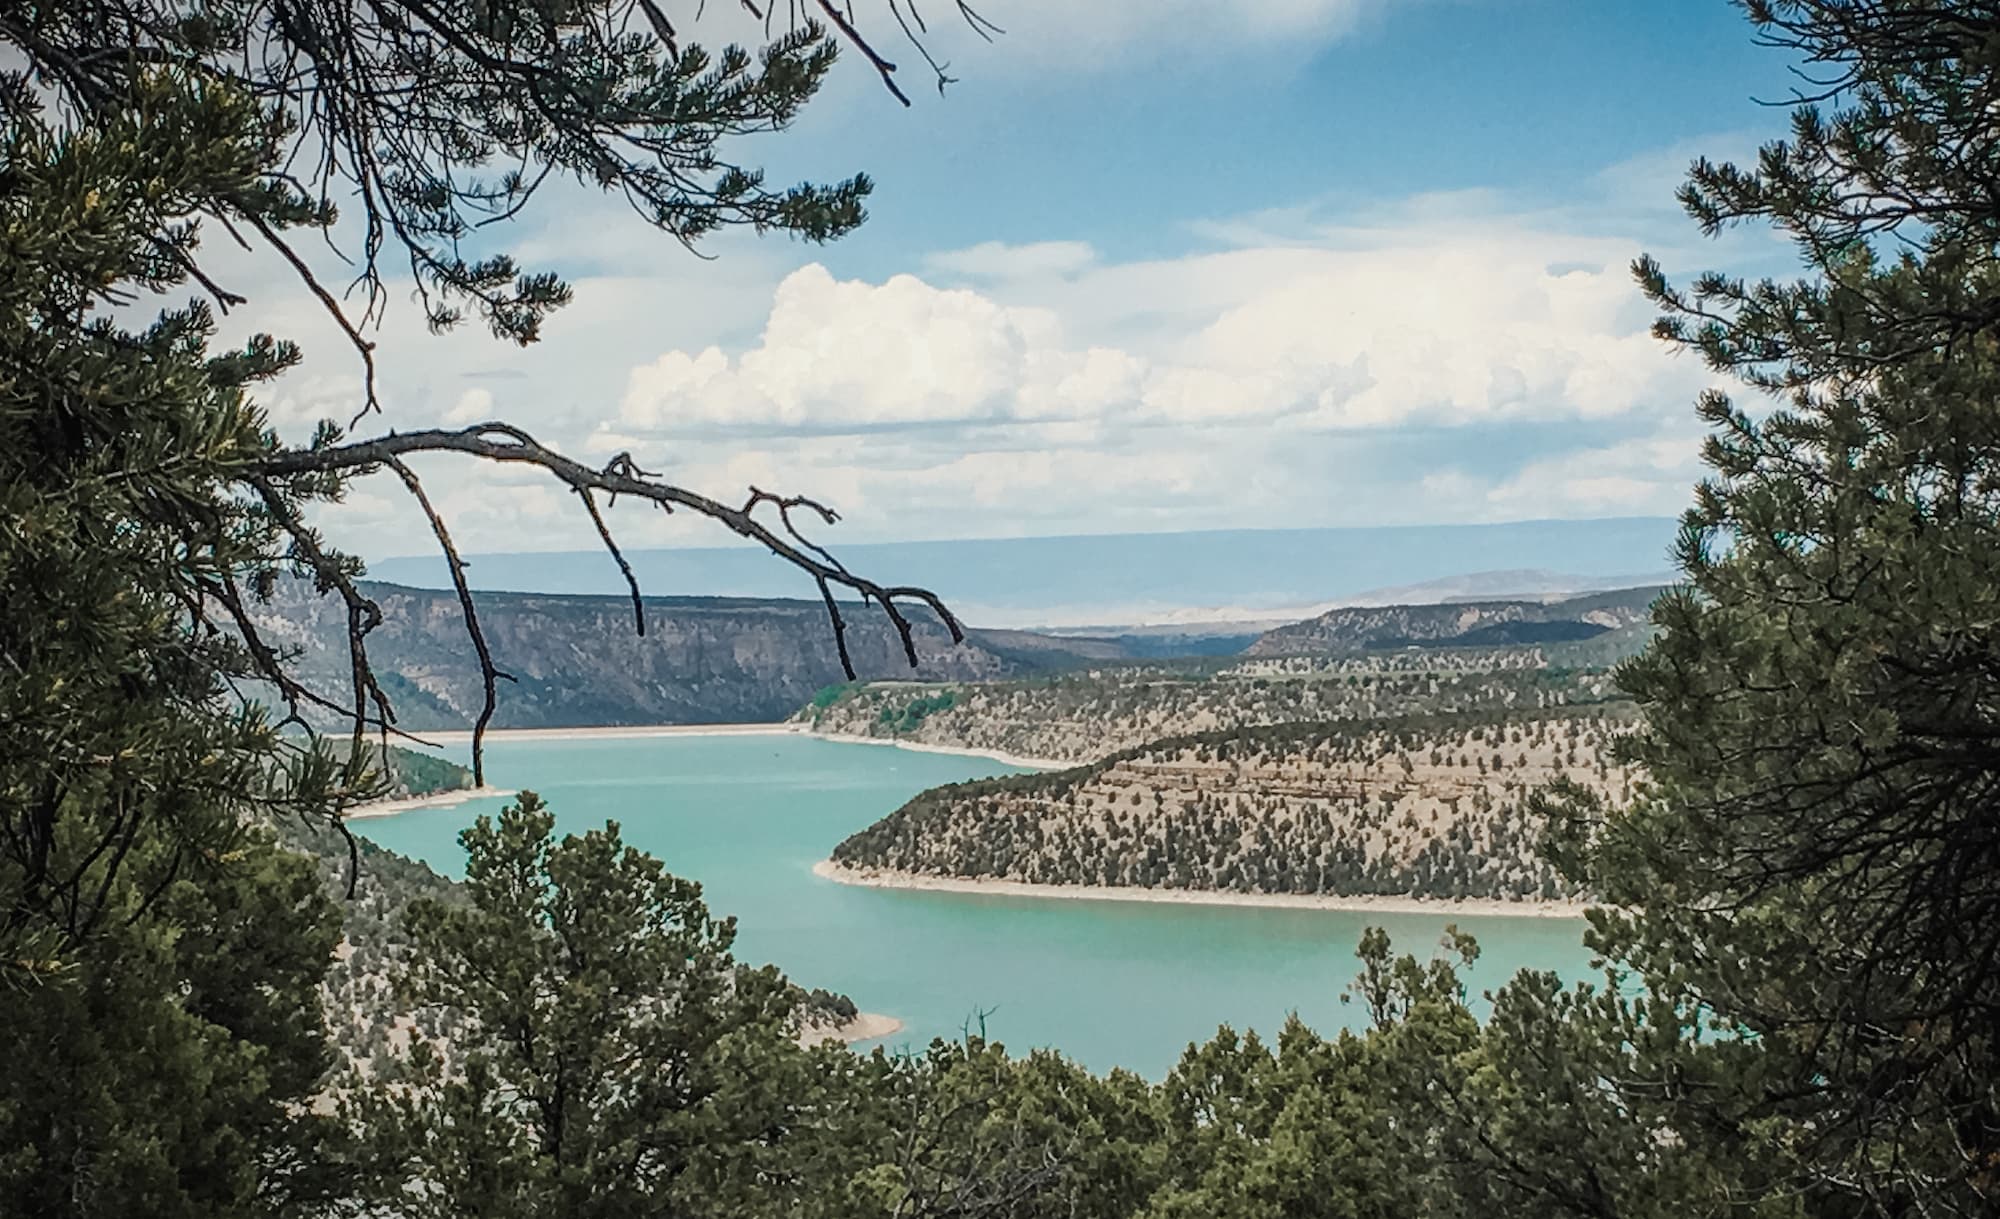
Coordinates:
[1087,714]
[1428,807]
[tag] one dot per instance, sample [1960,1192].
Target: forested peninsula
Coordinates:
[1426,807]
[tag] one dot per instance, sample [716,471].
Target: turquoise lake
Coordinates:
[1125,984]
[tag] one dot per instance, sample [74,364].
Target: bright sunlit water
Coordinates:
[1109,983]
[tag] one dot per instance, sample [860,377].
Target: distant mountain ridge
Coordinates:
[1265,576]
[577,662]
[1517,584]
[1460,623]
[1220,622]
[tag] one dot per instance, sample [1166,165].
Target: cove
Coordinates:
[1110,984]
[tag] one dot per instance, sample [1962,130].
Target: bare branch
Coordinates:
[620,476]
[611,544]
[504,442]
[332,306]
[489,673]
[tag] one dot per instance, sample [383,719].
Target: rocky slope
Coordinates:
[578,662]
[1086,715]
[1459,624]
[1428,807]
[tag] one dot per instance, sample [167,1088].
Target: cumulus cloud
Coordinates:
[473,406]
[1430,328]
[1650,474]
[849,354]
[1450,359]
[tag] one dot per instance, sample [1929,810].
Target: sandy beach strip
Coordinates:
[781,728]
[403,804]
[623,732]
[866,1026]
[1011,759]
[1472,907]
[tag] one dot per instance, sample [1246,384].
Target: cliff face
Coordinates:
[1469,624]
[577,661]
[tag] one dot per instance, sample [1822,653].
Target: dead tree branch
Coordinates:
[489,673]
[619,477]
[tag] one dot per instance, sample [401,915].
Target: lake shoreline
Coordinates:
[827,869]
[866,1026]
[632,732]
[614,732]
[405,804]
[961,751]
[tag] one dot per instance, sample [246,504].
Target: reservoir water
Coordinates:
[1127,984]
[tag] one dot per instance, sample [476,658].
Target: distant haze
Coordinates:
[1141,578]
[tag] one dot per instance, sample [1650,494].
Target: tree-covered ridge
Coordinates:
[1087,715]
[412,772]
[1431,807]
[1465,623]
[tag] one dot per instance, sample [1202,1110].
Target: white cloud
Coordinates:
[1387,329]
[1449,358]
[1648,475]
[474,406]
[1651,474]
[852,354]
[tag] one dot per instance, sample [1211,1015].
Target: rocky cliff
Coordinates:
[577,661]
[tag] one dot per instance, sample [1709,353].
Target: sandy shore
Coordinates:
[785,728]
[1201,897]
[866,1026]
[1011,759]
[621,733]
[403,804]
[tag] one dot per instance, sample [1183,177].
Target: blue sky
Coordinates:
[1526,96]
[1150,264]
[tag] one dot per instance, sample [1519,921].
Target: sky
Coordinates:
[1147,265]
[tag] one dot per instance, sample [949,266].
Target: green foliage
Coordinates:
[413,773]
[158,959]
[616,1059]
[829,695]
[1816,860]
[911,715]
[1402,807]
[410,114]
[162,1065]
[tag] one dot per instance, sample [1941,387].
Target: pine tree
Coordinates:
[164,1048]
[615,1060]
[1815,859]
